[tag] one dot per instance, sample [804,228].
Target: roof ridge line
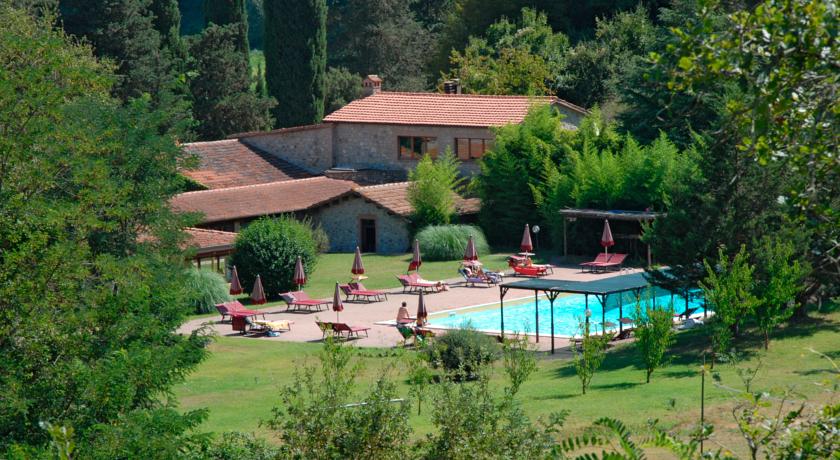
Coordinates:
[239,187]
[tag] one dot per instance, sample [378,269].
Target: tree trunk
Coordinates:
[650,371]
[766,339]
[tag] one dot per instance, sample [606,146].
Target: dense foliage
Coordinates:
[448,242]
[463,352]
[220,85]
[341,87]
[296,59]
[230,12]
[269,247]
[435,184]
[204,289]
[90,265]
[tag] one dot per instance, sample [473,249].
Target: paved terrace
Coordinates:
[304,328]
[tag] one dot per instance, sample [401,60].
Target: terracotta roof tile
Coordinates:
[394,198]
[202,238]
[232,163]
[262,199]
[435,109]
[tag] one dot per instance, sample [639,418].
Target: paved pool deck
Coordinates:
[304,328]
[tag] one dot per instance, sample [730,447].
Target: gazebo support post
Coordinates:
[603,300]
[502,291]
[648,254]
[620,314]
[552,296]
[586,309]
[537,313]
[565,246]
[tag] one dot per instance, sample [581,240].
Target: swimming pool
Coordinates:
[569,312]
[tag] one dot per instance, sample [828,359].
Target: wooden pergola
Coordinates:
[570,215]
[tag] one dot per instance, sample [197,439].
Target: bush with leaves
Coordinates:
[233,446]
[463,352]
[269,247]
[588,359]
[654,334]
[204,289]
[434,187]
[448,242]
[318,419]
[780,279]
[728,288]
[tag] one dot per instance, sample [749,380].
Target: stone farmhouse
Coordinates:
[348,173]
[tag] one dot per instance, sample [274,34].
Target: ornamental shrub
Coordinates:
[464,352]
[448,242]
[269,247]
[204,289]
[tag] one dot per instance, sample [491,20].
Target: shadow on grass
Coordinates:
[617,386]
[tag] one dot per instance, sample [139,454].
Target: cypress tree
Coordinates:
[295,59]
[167,21]
[224,12]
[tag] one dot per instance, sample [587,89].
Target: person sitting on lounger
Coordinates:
[439,285]
[403,316]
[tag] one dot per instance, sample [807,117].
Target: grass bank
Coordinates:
[240,381]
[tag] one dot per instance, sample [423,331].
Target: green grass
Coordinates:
[239,383]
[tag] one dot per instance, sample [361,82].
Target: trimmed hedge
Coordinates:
[448,242]
[269,247]
[204,289]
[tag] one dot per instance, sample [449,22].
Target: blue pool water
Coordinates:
[569,312]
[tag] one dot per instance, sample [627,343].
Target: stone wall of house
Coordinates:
[376,146]
[341,223]
[309,147]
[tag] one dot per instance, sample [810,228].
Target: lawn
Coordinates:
[239,382]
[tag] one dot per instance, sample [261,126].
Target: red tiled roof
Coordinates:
[262,199]
[394,198]
[202,238]
[232,163]
[436,109]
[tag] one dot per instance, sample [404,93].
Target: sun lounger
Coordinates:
[471,279]
[529,271]
[361,287]
[326,328]
[614,261]
[599,259]
[235,307]
[346,331]
[353,293]
[413,283]
[299,300]
[270,328]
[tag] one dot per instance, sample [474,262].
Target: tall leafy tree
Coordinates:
[222,101]
[522,57]
[434,185]
[225,12]
[167,22]
[90,267]
[295,59]
[381,37]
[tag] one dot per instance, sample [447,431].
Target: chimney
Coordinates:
[372,84]
[452,86]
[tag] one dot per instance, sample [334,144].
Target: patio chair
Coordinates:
[326,328]
[470,278]
[347,331]
[406,333]
[235,307]
[413,283]
[353,294]
[361,287]
[299,300]
[614,261]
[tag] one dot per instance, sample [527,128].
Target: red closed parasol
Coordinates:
[235,285]
[338,306]
[415,259]
[606,237]
[422,314]
[258,294]
[358,267]
[470,254]
[299,277]
[526,245]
